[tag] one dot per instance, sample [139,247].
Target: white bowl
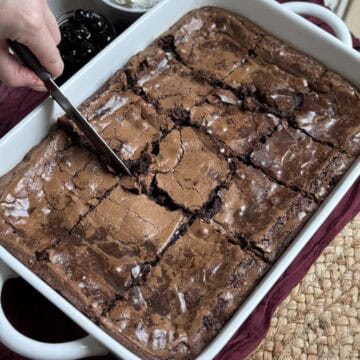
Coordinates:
[118,12]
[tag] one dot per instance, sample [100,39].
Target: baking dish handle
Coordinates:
[33,349]
[326,15]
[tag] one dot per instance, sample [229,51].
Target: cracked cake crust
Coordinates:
[190,187]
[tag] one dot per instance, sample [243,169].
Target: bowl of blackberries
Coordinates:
[84,33]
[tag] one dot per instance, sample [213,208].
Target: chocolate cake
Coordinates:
[165,81]
[116,240]
[187,185]
[268,223]
[187,297]
[328,115]
[295,159]
[48,193]
[234,139]
[235,131]
[127,123]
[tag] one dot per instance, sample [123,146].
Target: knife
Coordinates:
[29,60]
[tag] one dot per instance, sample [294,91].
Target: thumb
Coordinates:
[12,73]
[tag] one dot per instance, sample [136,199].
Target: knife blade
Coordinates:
[29,60]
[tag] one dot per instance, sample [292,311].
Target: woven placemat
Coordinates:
[320,319]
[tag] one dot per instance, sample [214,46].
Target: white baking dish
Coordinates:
[272,17]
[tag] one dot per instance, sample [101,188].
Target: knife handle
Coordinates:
[29,60]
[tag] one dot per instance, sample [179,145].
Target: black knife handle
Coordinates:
[29,60]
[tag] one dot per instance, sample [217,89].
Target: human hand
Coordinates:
[31,23]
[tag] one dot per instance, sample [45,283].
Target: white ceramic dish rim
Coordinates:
[345,60]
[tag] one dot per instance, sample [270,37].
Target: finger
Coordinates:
[12,73]
[51,24]
[43,46]
[40,88]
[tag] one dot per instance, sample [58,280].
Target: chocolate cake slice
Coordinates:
[213,41]
[281,54]
[215,55]
[275,88]
[166,82]
[326,120]
[261,213]
[109,250]
[223,47]
[331,115]
[235,131]
[188,168]
[49,192]
[187,297]
[87,278]
[126,122]
[296,160]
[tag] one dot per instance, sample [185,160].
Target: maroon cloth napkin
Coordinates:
[15,104]
[35,317]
